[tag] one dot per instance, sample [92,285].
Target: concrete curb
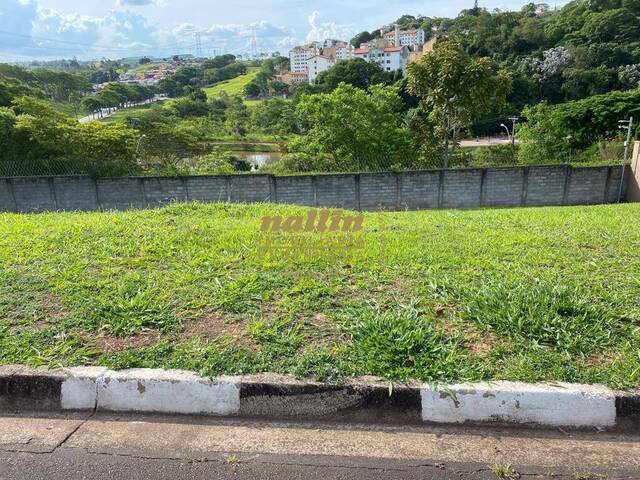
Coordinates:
[275,396]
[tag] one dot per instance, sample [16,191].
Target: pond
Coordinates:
[258,159]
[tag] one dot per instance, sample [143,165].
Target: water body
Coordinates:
[258,159]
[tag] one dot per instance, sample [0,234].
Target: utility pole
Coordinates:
[514,120]
[622,124]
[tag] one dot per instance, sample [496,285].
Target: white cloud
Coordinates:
[136,3]
[323,30]
[44,33]
[234,38]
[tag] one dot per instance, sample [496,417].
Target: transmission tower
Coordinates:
[253,44]
[198,45]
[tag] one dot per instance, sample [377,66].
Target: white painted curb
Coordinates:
[80,390]
[560,404]
[149,390]
[174,391]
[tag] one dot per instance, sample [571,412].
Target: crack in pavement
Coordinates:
[439,466]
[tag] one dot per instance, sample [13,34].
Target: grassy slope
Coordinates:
[119,115]
[235,86]
[526,294]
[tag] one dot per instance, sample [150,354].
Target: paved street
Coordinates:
[54,446]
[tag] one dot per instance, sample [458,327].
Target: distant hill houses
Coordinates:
[392,51]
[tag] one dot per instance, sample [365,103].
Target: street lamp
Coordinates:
[507,129]
[628,126]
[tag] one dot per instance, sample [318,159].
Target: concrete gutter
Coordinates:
[279,397]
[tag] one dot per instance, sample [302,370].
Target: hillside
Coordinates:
[235,86]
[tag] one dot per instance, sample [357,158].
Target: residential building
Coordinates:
[298,57]
[315,58]
[292,78]
[405,38]
[318,64]
[420,52]
[341,51]
[389,58]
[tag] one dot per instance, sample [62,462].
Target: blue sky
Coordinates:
[38,29]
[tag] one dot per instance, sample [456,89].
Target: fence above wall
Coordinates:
[533,185]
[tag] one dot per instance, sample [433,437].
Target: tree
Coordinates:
[91,104]
[276,116]
[237,116]
[455,89]
[351,129]
[74,99]
[219,61]
[356,72]
[552,133]
[360,38]
[11,88]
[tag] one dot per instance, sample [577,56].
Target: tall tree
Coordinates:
[351,129]
[455,90]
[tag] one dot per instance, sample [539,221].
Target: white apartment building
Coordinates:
[408,38]
[389,58]
[317,57]
[318,64]
[298,57]
[344,50]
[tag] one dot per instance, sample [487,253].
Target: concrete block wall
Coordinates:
[461,188]
[337,191]
[296,190]
[634,174]
[379,191]
[546,185]
[503,187]
[534,185]
[420,190]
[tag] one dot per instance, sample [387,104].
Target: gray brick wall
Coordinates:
[120,193]
[250,188]
[587,185]
[207,188]
[75,193]
[34,194]
[7,204]
[503,187]
[545,185]
[336,191]
[419,190]
[534,185]
[298,190]
[379,191]
[161,190]
[613,193]
[461,188]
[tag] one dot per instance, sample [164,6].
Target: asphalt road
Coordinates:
[53,446]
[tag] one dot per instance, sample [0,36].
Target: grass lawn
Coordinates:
[234,86]
[521,294]
[121,114]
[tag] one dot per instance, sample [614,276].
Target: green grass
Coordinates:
[538,294]
[234,86]
[121,114]
[146,67]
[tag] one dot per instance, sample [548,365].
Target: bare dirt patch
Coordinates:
[111,343]
[483,345]
[214,325]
